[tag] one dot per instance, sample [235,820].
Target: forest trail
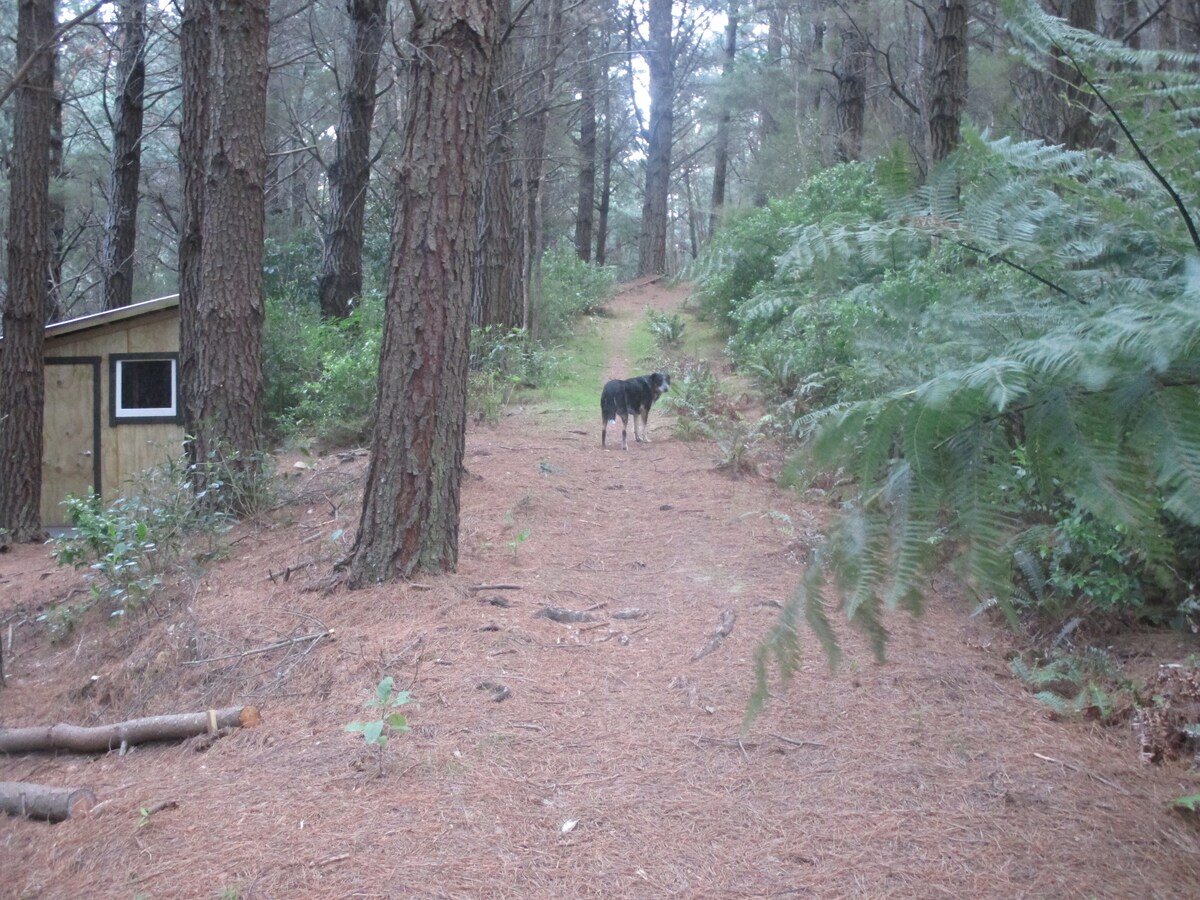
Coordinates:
[596,758]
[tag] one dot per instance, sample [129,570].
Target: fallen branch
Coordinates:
[474,589]
[724,629]
[1074,768]
[104,738]
[328,633]
[41,801]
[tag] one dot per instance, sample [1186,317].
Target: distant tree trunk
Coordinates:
[497,292]
[341,278]
[585,211]
[721,141]
[120,227]
[660,58]
[22,369]
[768,125]
[411,500]
[1076,129]
[543,62]
[948,79]
[851,73]
[606,151]
[222,392]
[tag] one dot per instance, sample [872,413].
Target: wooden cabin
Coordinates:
[112,401]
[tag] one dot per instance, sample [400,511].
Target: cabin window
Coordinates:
[144,387]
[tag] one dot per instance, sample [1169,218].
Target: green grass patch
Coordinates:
[575,392]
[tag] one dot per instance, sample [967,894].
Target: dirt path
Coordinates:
[599,758]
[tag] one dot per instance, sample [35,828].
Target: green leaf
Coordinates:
[401,698]
[373,733]
[1190,803]
[384,690]
[397,721]
[357,727]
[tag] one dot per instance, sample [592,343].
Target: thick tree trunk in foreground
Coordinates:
[341,277]
[851,72]
[223,318]
[411,501]
[103,738]
[22,370]
[41,801]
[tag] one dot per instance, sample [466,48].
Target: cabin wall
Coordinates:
[125,449]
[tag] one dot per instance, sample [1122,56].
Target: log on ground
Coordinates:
[102,738]
[41,801]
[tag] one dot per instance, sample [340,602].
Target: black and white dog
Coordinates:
[630,397]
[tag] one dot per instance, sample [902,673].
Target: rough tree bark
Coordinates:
[411,500]
[948,78]
[42,801]
[1077,130]
[497,291]
[341,278]
[222,374]
[22,370]
[768,125]
[660,58]
[120,227]
[851,73]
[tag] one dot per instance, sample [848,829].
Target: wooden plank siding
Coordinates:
[126,449]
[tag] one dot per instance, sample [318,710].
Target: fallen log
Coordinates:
[41,801]
[103,738]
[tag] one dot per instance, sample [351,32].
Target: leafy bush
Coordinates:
[745,254]
[129,544]
[322,375]
[570,288]
[666,329]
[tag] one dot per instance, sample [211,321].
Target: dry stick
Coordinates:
[328,633]
[1080,769]
[494,587]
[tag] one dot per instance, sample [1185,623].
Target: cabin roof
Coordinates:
[108,316]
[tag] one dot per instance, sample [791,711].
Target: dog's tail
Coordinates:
[608,407]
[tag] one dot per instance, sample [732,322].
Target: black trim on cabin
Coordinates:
[94,362]
[113,419]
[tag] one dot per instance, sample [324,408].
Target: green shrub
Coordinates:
[128,544]
[570,288]
[666,329]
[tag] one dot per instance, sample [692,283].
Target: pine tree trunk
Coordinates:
[497,291]
[22,370]
[948,78]
[341,278]
[851,75]
[120,227]
[768,125]
[411,501]
[652,246]
[607,152]
[721,141]
[585,208]
[222,393]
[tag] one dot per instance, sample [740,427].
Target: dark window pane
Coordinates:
[146,384]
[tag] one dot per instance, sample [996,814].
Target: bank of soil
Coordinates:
[600,757]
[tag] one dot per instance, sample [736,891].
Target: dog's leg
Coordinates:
[645,422]
[624,425]
[603,430]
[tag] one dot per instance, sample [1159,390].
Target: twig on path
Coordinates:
[724,629]
[327,633]
[474,589]
[1081,770]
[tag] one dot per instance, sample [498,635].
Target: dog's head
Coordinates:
[661,382]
